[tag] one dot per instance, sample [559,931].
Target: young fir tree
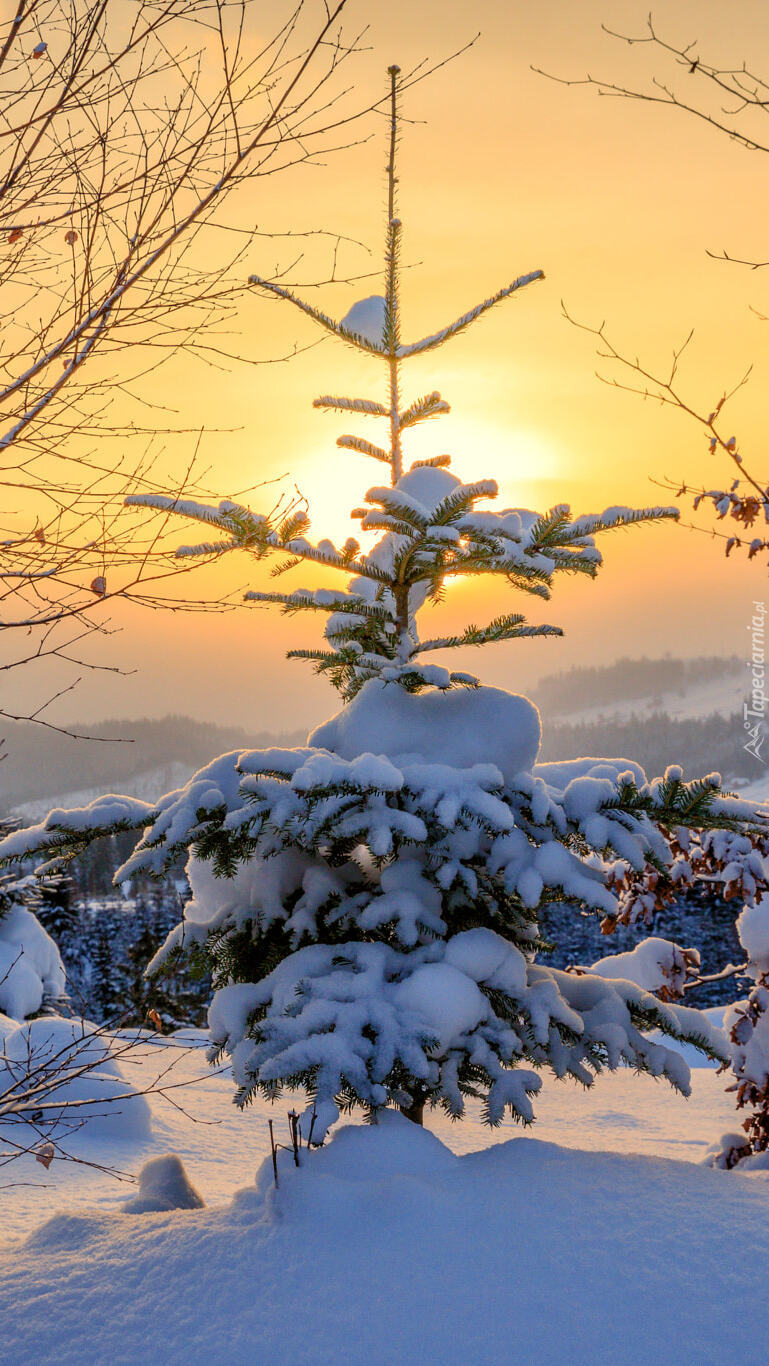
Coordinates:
[369,905]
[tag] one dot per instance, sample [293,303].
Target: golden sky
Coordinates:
[501,172]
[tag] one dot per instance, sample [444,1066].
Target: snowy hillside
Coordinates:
[680,689]
[656,711]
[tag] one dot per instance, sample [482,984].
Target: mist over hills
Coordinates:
[43,765]
[694,686]
[656,711]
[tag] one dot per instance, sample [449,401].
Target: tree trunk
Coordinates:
[416,1110]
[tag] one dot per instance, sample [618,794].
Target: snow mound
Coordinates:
[387,1242]
[357,1153]
[163,1185]
[73,1063]
[459,728]
[428,486]
[448,1002]
[366,319]
[30,964]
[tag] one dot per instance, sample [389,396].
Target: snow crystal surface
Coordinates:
[428,486]
[561,772]
[486,957]
[459,728]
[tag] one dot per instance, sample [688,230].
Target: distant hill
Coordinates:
[703,744]
[43,766]
[656,711]
[681,688]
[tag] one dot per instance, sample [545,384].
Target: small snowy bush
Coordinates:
[57,1075]
[31,970]
[369,905]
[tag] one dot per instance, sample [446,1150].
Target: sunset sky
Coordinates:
[501,172]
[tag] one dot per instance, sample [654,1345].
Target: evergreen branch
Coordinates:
[205,548]
[326,656]
[352,405]
[383,521]
[228,516]
[531,577]
[323,320]
[461,499]
[311,600]
[60,841]
[509,627]
[328,555]
[437,339]
[616,517]
[399,505]
[284,566]
[291,526]
[536,587]
[357,443]
[550,526]
[391,329]
[249,530]
[697,805]
[436,462]
[585,560]
[432,405]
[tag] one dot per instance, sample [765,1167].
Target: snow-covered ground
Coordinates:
[757,791]
[596,1237]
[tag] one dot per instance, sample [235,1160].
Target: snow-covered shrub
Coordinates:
[57,1075]
[31,970]
[747,1023]
[369,905]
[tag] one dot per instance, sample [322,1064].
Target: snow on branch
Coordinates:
[352,405]
[65,833]
[509,627]
[591,524]
[432,405]
[357,339]
[357,443]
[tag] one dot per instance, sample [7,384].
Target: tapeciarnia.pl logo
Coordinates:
[754,710]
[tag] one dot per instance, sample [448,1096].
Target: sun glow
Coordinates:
[334,481]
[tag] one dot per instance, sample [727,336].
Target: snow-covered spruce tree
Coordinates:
[368,905]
